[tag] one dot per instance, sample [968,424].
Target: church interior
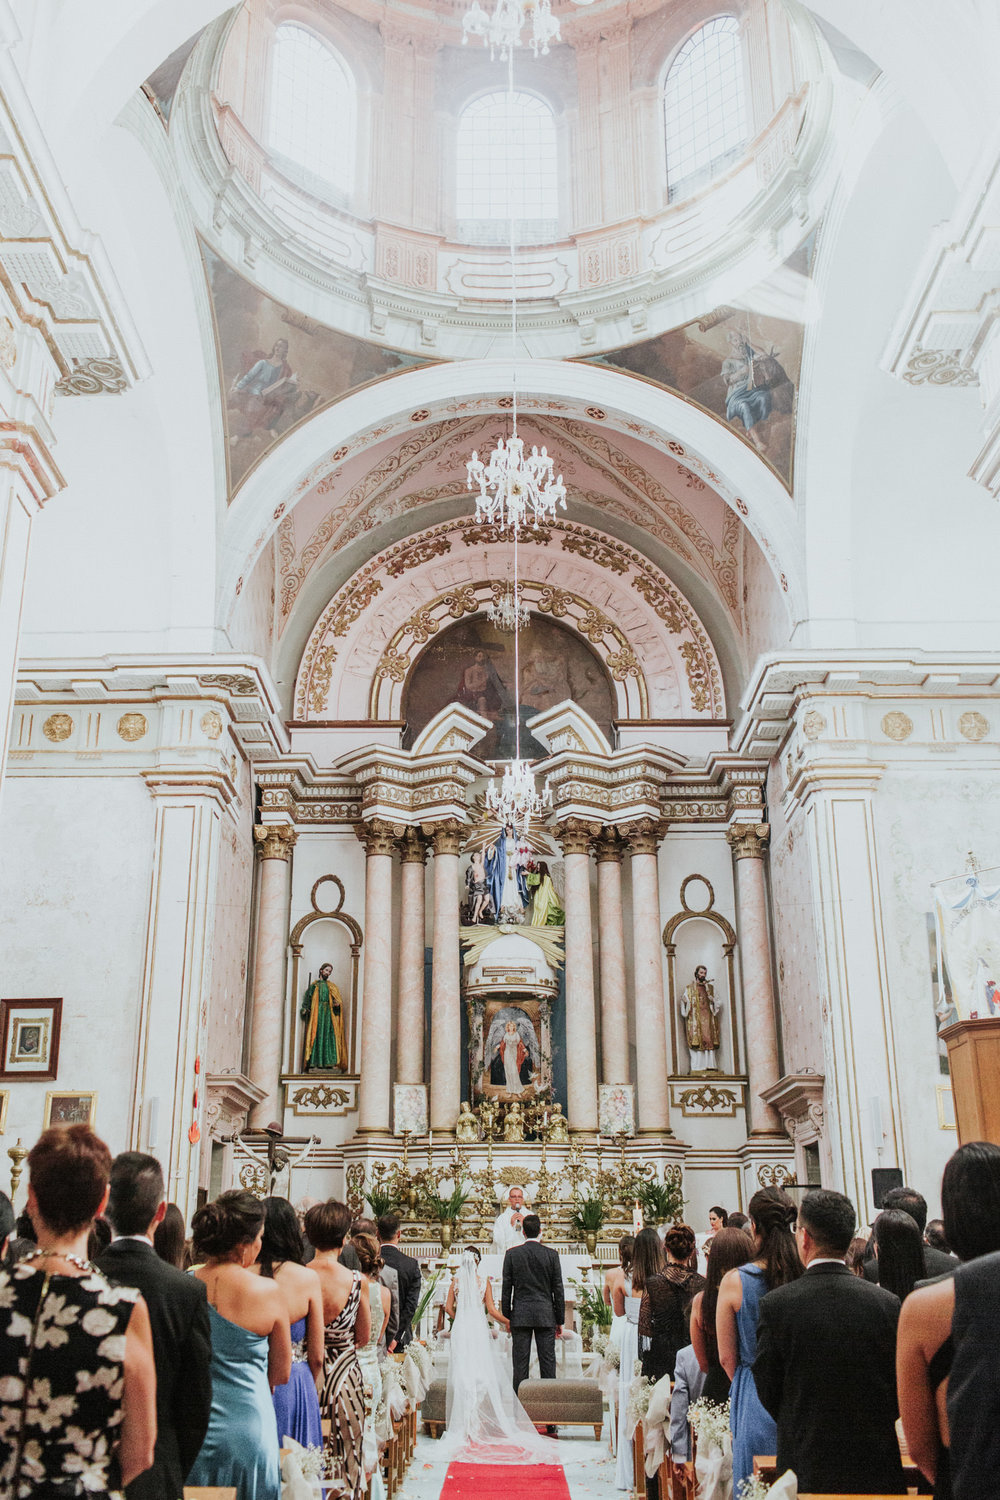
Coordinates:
[381,820]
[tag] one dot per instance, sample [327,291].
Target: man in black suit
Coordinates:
[826,1363]
[936,1262]
[178,1316]
[533,1301]
[408,1275]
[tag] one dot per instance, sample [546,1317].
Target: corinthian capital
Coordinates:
[644,835]
[748,840]
[413,847]
[609,847]
[378,836]
[446,837]
[575,835]
[274,840]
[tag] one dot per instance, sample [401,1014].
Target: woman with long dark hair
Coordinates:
[169,1238]
[647,1261]
[251,1349]
[347,1316]
[666,1299]
[899,1251]
[731,1249]
[970,1202]
[776,1261]
[296,1403]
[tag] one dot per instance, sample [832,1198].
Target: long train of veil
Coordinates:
[486,1423]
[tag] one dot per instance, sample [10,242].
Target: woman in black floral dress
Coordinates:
[77,1382]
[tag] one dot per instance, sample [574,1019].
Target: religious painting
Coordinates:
[515,1060]
[277,366]
[616,1109]
[739,362]
[473,663]
[967,913]
[409,1108]
[29,1038]
[69,1109]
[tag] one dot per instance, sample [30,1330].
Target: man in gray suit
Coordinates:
[533,1301]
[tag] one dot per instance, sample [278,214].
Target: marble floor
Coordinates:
[589,1469]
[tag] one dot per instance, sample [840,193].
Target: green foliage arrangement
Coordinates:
[447,1210]
[382,1201]
[661,1202]
[589,1216]
[591,1304]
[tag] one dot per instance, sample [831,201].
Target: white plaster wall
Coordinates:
[225,1011]
[795,935]
[74,889]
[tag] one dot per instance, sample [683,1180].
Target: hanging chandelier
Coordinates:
[514,489]
[507,610]
[516,799]
[501,31]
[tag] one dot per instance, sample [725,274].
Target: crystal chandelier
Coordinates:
[502,30]
[516,800]
[514,489]
[507,610]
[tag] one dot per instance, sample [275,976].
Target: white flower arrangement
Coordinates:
[710,1420]
[612,1358]
[636,1369]
[311,1461]
[753,1488]
[599,1342]
[424,1359]
[638,1402]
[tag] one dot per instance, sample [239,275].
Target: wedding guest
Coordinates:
[899,1251]
[855,1258]
[367,1249]
[738,1221]
[934,1236]
[825,1367]
[666,1302]
[909,1201]
[734,1247]
[689,1386]
[170,1239]
[79,1417]
[387,1275]
[178,1315]
[717,1219]
[974,1380]
[615,1274]
[776,1263]
[251,1349]
[296,1403]
[970,1199]
[347,1325]
[408,1273]
[647,1260]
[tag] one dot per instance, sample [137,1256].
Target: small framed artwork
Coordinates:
[69,1108]
[946,1107]
[4,1101]
[29,1039]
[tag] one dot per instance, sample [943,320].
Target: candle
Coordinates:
[636,1218]
[598,1140]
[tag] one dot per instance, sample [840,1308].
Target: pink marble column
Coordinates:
[446,972]
[748,841]
[410,989]
[647,956]
[581,1023]
[274,844]
[374,1096]
[609,850]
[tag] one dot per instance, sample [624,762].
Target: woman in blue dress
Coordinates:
[776,1261]
[296,1404]
[251,1349]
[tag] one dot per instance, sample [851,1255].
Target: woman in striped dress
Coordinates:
[347,1325]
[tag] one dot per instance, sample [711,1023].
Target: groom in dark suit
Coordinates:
[826,1363]
[533,1301]
[178,1316]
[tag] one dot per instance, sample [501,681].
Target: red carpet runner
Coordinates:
[505,1482]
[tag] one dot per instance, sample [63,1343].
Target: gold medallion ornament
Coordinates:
[132,727]
[211,724]
[813,724]
[973,726]
[897,726]
[57,727]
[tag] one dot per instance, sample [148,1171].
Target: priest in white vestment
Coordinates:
[507,1230]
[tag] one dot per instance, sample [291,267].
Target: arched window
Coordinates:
[506,169]
[312,109]
[704,106]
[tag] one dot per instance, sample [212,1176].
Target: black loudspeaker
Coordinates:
[884,1179]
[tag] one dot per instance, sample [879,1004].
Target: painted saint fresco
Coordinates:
[741,363]
[473,663]
[276,366]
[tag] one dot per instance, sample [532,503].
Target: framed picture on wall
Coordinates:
[29,1039]
[4,1101]
[69,1108]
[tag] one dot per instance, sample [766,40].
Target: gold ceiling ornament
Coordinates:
[972,726]
[132,727]
[897,726]
[697,675]
[57,727]
[211,724]
[393,664]
[813,724]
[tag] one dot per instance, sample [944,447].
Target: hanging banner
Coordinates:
[967,916]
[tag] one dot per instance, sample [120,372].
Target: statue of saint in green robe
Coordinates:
[323,1012]
[545,908]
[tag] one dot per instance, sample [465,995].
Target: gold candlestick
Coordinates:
[17,1155]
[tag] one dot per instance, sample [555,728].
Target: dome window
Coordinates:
[704,107]
[311,118]
[507,169]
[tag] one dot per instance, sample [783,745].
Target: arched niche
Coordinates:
[711,934]
[299,939]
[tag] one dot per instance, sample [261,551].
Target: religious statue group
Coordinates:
[504,883]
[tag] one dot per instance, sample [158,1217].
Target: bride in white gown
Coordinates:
[486,1424]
